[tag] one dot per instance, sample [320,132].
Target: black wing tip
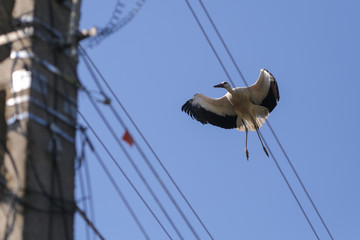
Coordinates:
[273,85]
[187,108]
[275,89]
[273,96]
[203,116]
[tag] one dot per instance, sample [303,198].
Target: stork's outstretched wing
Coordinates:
[216,111]
[265,91]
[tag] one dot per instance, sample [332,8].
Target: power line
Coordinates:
[148,163]
[134,165]
[85,205]
[121,170]
[240,73]
[89,223]
[301,182]
[89,190]
[268,122]
[112,180]
[210,43]
[223,42]
[141,135]
[288,184]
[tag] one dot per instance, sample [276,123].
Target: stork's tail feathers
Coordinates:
[262,113]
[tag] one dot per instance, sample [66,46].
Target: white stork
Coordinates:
[244,108]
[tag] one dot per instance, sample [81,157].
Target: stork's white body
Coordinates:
[244,108]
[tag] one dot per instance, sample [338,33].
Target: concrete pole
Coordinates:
[38,102]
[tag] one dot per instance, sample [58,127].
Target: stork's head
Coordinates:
[225,85]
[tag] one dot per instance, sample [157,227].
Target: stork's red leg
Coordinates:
[246,131]
[246,151]
[257,131]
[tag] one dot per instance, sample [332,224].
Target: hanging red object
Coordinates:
[128,138]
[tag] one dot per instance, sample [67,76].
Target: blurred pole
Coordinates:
[38,103]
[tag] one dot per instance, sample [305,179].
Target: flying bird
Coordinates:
[244,108]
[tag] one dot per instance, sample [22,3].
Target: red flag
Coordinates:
[128,138]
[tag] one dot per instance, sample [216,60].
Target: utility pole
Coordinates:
[38,106]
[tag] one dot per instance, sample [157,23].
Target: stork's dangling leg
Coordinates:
[246,131]
[257,131]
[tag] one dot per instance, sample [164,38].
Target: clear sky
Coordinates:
[160,59]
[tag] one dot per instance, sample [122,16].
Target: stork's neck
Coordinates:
[230,90]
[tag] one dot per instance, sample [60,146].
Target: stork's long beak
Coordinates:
[221,85]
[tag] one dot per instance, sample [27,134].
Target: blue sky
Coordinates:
[160,59]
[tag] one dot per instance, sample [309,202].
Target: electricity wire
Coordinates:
[82,189]
[230,79]
[121,170]
[146,142]
[134,165]
[271,129]
[208,40]
[223,43]
[151,168]
[288,184]
[90,224]
[112,180]
[89,190]
[301,182]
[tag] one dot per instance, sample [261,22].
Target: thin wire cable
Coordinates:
[210,43]
[89,189]
[268,122]
[82,189]
[81,159]
[288,184]
[145,140]
[148,145]
[134,165]
[122,172]
[112,180]
[146,159]
[223,42]
[89,223]
[221,63]
[301,182]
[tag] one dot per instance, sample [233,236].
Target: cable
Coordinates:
[144,139]
[160,181]
[140,150]
[121,170]
[90,224]
[268,122]
[240,73]
[135,166]
[113,182]
[223,42]
[301,182]
[82,189]
[208,40]
[288,184]
[89,189]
